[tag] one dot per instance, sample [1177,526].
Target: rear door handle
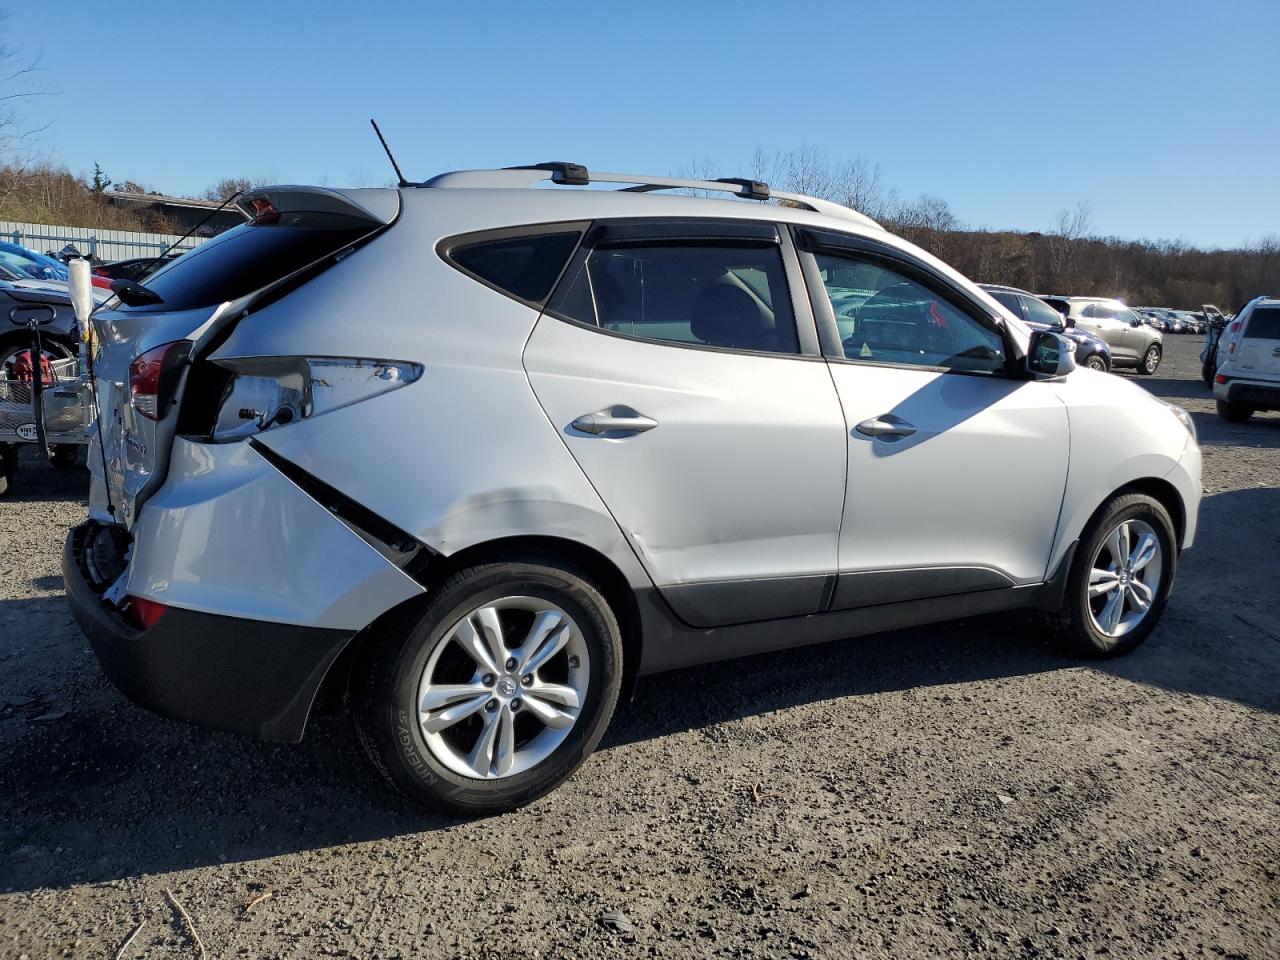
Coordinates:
[887,427]
[615,420]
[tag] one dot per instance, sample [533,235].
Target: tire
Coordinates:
[427,656]
[64,456]
[1234,412]
[1081,624]
[1150,361]
[1095,361]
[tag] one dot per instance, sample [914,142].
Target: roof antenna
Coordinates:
[395,166]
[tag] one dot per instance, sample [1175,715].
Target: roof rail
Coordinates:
[574,174]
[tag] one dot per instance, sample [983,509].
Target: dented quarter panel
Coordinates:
[228,534]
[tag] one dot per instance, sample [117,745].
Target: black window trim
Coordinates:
[813,240]
[695,231]
[446,247]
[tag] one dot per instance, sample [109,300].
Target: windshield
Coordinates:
[28,263]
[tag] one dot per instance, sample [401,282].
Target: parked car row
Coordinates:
[1105,332]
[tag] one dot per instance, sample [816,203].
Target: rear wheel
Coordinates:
[1234,412]
[1150,361]
[1120,579]
[497,692]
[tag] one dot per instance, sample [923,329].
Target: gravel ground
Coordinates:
[946,791]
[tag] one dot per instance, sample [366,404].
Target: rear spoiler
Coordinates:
[379,206]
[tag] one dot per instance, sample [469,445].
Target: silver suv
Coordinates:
[1133,343]
[471,456]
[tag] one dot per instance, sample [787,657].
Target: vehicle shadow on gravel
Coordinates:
[98,789]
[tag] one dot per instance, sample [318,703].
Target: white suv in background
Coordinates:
[1248,375]
[1133,343]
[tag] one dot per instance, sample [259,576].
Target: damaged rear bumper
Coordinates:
[246,676]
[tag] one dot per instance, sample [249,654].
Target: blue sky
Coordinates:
[1165,117]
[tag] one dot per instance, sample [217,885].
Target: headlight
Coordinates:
[1186,420]
[266,392]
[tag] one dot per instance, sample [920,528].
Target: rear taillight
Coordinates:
[268,392]
[1219,378]
[101,282]
[146,613]
[1235,326]
[154,376]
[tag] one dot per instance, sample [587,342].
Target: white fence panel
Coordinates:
[106,244]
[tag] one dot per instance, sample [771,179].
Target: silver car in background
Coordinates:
[1133,343]
[471,456]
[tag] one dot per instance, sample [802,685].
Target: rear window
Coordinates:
[249,257]
[524,267]
[1264,324]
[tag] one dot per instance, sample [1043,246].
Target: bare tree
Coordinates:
[1069,228]
[228,187]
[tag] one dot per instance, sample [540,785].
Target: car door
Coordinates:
[957,465]
[671,363]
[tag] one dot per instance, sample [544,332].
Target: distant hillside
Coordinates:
[48,195]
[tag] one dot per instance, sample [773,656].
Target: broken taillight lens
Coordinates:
[146,612]
[267,392]
[154,376]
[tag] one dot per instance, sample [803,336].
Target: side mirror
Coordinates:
[1050,355]
[1068,321]
[81,291]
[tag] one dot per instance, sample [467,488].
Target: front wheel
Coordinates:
[1150,361]
[1095,362]
[1234,412]
[1120,579]
[497,692]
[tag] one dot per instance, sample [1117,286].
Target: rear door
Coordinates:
[1260,345]
[671,363]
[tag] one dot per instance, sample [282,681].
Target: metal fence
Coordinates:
[106,244]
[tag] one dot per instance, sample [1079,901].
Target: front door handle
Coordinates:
[618,421]
[887,427]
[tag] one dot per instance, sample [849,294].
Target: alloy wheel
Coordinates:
[503,688]
[1124,578]
[1151,360]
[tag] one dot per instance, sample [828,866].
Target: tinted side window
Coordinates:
[704,294]
[1040,312]
[1264,324]
[522,267]
[894,318]
[1007,299]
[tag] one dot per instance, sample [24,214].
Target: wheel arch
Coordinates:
[334,690]
[1164,493]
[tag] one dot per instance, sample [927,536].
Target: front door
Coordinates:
[671,364]
[956,469]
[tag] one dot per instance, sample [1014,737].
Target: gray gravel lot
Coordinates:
[945,791]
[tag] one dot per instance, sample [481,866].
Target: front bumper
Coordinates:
[246,676]
[1254,393]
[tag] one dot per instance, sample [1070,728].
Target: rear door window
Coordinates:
[250,256]
[1264,324]
[1009,300]
[732,296]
